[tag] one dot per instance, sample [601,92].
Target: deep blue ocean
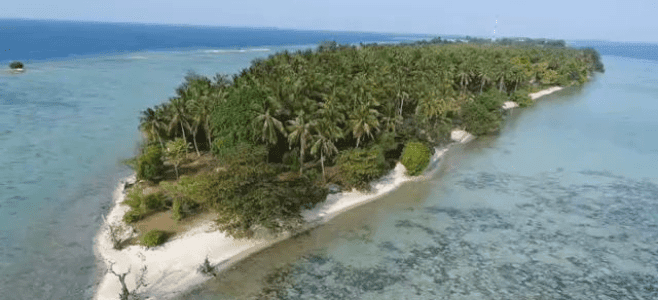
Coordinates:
[68,121]
[30,40]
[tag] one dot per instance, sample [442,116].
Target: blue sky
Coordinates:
[631,20]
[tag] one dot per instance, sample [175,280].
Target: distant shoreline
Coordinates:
[174,258]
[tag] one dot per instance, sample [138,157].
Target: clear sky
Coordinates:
[630,20]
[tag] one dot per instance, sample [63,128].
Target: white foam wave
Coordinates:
[237,50]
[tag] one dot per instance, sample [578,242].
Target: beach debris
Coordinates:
[207,269]
[139,282]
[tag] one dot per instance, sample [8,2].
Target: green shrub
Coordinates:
[154,238]
[482,115]
[182,207]
[16,65]
[149,164]
[268,203]
[141,205]
[522,98]
[478,120]
[358,167]
[177,210]
[415,158]
[134,198]
[133,215]
[153,202]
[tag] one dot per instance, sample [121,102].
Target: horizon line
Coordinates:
[427,35]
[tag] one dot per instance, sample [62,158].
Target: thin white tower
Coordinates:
[495,29]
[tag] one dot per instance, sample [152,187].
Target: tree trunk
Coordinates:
[357,141]
[176,169]
[301,157]
[208,135]
[183,130]
[195,146]
[324,180]
[124,289]
[160,139]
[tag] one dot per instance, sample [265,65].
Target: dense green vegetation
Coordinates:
[143,205]
[16,65]
[154,238]
[415,158]
[288,125]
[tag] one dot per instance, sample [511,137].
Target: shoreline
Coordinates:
[545,92]
[172,267]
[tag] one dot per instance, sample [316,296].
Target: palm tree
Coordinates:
[178,115]
[391,118]
[324,143]
[501,76]
[203,101]
[363,121]
[151,123]
[269,126]
[300,133]
[485,77]
[193,125]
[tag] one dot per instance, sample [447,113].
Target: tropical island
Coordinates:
[254,151]
[16,66]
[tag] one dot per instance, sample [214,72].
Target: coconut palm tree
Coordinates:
[299,132]
[177,112]
[364,120]
[485,77]
[501,76]
[324,142]
[151,123]
[268,124]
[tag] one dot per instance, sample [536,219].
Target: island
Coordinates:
[234,164]
[16,66]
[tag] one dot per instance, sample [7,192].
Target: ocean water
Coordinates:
[69,120]
[563,204]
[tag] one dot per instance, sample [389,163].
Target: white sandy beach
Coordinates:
[545,92]
[172,267]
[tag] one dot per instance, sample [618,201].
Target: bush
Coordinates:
[149,164]
[154,238]
[16,65]
[267,203]
[415,158]
[482,115]
[153,202]
[133,215]
[522,98]
[141,205]
[358,167]
[182,208]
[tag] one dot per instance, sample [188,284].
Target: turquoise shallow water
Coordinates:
[562,205]
[64,128]
[66,124]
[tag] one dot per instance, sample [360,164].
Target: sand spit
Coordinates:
[545,92]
